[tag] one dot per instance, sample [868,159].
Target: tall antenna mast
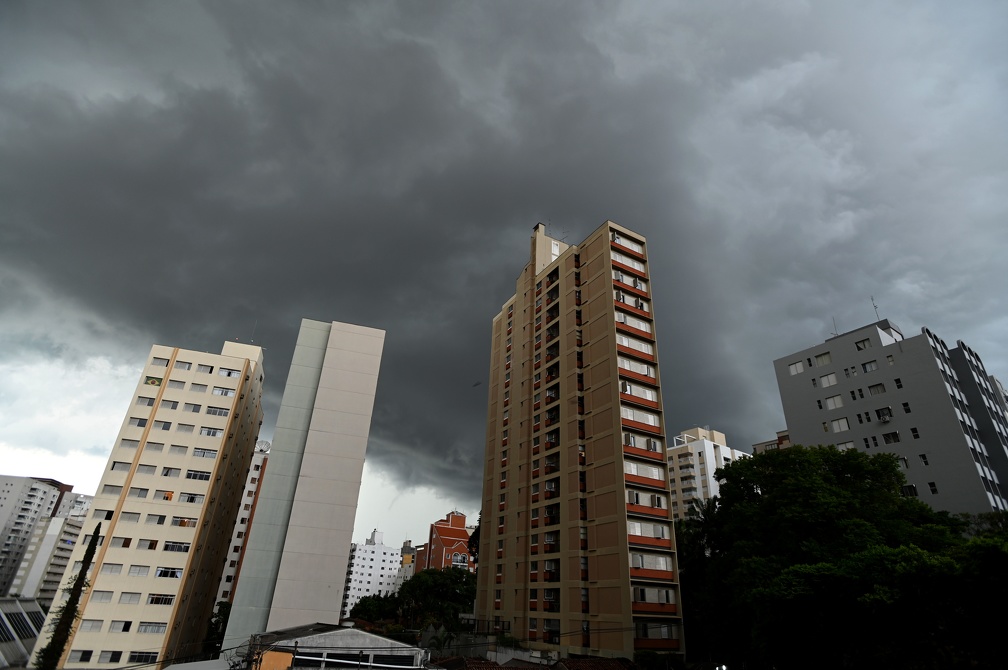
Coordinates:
[836,333]
[875,306]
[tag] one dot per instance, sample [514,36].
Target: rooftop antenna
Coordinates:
[835,333]
[254,326]
[875,306]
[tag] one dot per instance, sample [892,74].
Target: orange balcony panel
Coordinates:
[636,354]
[629,288]
[643,334]
[498,579]
[501,506]
[654,608]
[536,385]
[629,374]
[537,365]
[538,309]
[538,325]
[633,310]
[535,498]
[534,576]
[668,644]
[551,494]
[537,426]
[500,553]
[534,549]
[509,331]
[539,291]
[650,541]
[634,400]
[507,349]
[627,250]
[551,606]
[584,545]
[535,522]
[533,636]
[538,345]
[552,399]
[533,605]
[497,605]
[551,468]
[551,575]
[535,472]
[536,405]
[645,427]
[503,484]
[550,444]
[584,608]
[504,462]
[584,575]
[643,453]
[550,378]
[645,481]
[630,269]
[549,548]
[648,573]
[535,450]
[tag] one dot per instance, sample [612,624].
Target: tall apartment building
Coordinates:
[407,568]
[693,457]
[239,536]
[933,407]
[294,570]
[372,570]
[167,503]
[577,551]
[46,559]
[24,501]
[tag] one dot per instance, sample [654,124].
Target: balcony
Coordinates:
[550,494]
[644,453]
[643,540]
[550,548]
[551,606]
[648,573]
[533,605]
[660,484]
[644,510]
[653,608]
[551,576]
[552,520]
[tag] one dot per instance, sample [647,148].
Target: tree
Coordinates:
[474,539]
[810,556]
[437,597]
[48,658]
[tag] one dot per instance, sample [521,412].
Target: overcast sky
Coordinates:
[183,173]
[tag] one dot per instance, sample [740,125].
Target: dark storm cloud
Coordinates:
[189,173]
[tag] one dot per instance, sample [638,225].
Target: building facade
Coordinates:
[693,457]
[239,536]
[447,545]
[934,408]
[166,503]
[46,559]
[577,552]
[372,570]
[24,502]
[296,555]
[407,567]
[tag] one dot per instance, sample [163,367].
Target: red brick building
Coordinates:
[447,545]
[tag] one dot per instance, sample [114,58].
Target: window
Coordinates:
[891,438]
[159,362]
[136,492]
[154,446]
[823,359]
[840,425]
[90,625]
[828,380]
[906,408]
[933,487]
[183,521]
[163,495]
[120,466]
[170,573]
[862,344]
[138,570]
[876,389]
[177,450]
[142,657]
[889,360]
[144,401]
[914,433]
[226,392]
[870,366]
[137,422]
[844,446]
[910,490]
[156,519]
[191,407]
[183,365]
[834,402]
[80,656]
[218,411]
[204,453]
[148,545]
[160,599]
[109,656]
[152,627]
[179,547]
[185,428]
[120,542]
[143,469]
[111,490]
[129,444]
[111,568]
[162,425]
[200,475]
[796,368]
[206,369]
[898,382]
[175,384]
[211,432]
[169,404]
[228,372]
[128,598]
[127,517]
[198,388]
[171,472]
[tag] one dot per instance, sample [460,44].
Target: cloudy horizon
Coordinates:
[188,173]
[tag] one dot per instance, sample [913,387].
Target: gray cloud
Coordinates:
[190,172]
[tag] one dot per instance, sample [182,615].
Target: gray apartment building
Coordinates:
[937,409]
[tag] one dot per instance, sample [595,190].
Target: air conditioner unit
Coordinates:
[884,419]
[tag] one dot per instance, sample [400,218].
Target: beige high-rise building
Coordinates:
[46,559]
[295,564]
[167,504]
[577,552]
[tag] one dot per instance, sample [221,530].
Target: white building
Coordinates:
[229,580]
[74,506]
[373,569]
[46,559]
[407,567]
[693,458]
[24,501]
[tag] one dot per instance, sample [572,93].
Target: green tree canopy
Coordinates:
[811,557]
[437,597]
